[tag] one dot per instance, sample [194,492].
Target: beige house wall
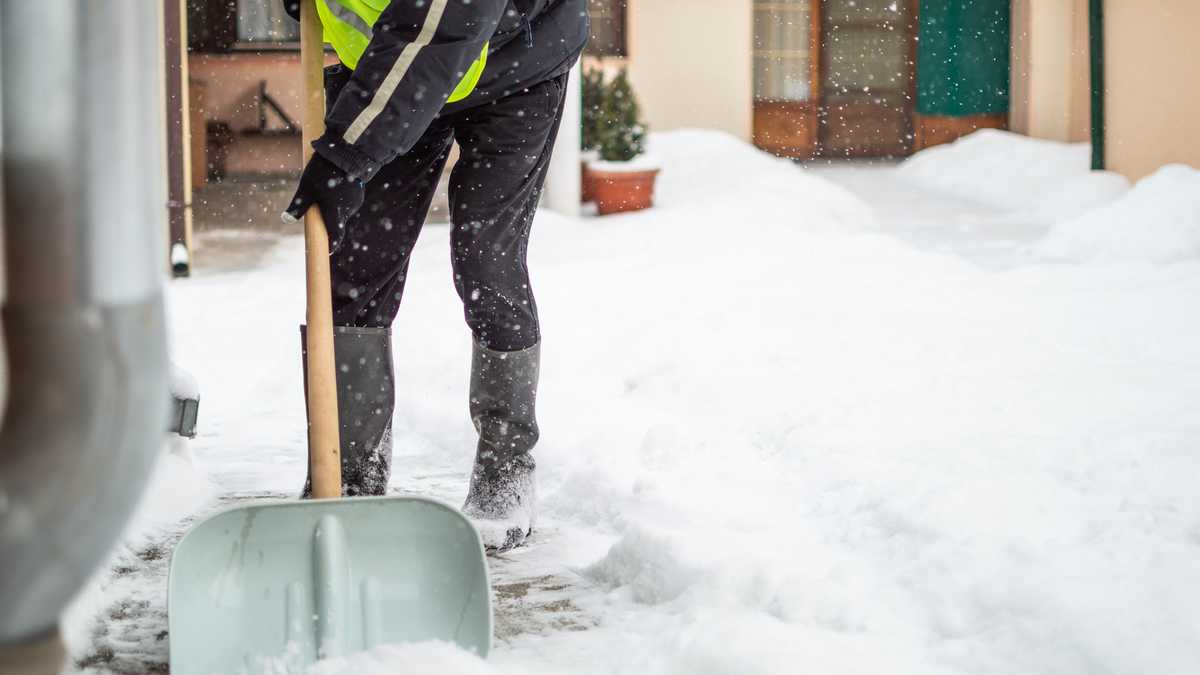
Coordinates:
[1080,125]
[1050,64]
[1152,65]
[226,89]
[232,80]
[1019,67]
[691,63]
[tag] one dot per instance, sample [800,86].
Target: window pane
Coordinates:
[212,26]
[864,63]
[608,28]
[782,61]
[265,21]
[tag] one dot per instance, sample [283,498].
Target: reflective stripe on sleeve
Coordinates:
[397,73]
[348,17]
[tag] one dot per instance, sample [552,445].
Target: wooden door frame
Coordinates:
[179,136]
[816,61]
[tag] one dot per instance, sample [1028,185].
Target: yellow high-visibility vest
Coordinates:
[347,27]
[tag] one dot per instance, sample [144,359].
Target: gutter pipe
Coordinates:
[83,321]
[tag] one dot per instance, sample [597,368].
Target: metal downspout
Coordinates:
[84,216]
[1096,51]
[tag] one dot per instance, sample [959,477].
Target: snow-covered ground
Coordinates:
[848,420]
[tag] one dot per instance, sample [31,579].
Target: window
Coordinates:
[260,21]
[225,25]
[782,50]
[608,28]
[212,25]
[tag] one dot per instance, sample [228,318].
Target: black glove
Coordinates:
[338,195]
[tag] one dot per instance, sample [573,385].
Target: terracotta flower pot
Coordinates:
[617,191]
[587,189]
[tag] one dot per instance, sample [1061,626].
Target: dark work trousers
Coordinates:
[494,188]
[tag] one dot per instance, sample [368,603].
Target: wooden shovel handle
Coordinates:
[324,446]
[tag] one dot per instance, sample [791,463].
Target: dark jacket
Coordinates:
[419,51]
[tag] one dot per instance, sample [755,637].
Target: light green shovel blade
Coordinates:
[275,586]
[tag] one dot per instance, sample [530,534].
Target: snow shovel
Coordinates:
[276,586]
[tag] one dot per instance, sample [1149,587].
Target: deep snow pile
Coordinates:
[702,170]
[773,442]
[1157,221]
[1033,180]
[1090,215]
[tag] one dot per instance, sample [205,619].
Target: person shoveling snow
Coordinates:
[413,79]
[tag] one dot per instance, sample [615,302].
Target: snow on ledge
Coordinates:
[643,162]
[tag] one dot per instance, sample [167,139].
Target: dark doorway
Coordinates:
[867,77]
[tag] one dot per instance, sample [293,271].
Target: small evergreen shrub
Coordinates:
[622,136]
[593,107]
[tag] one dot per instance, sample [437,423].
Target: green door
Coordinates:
[963,62]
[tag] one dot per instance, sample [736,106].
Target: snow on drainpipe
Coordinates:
[84,213]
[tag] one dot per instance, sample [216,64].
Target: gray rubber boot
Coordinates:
[503,494]
[366,399]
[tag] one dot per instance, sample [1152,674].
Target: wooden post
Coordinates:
[179,162]
[324,447]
